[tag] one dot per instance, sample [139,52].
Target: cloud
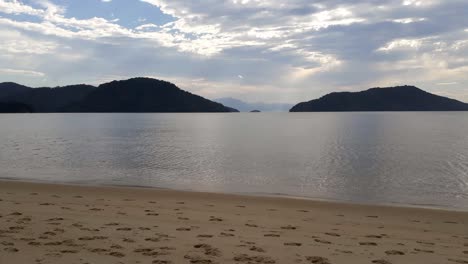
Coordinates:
[21,72]
[290,50]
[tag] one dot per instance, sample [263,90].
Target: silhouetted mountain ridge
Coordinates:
[45,100]
[11,88]
[12,107]
[399,98]
[143,95]
[133,95]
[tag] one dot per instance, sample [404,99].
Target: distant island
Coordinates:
[399,98]
[133,95]
[247,106]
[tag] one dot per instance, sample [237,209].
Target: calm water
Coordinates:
[405,158]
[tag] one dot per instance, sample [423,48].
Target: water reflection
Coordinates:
[418,158]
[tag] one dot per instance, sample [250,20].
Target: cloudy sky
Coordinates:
[258,50]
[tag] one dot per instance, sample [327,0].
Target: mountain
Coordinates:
[143,95]
[133,95]
[247,107]
[399,98]
[46,100]
[9,88]
[15,108]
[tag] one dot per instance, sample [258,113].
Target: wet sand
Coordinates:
[46,223]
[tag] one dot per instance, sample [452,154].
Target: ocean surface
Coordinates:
[401,158]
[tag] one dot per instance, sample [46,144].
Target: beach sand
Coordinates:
[45,223]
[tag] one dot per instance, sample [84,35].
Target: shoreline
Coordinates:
[259,195]
[49,223]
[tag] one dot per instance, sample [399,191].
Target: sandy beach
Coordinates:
[45,223]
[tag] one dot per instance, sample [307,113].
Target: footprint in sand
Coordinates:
[128,240]
[117,254]
[257,249]
[184,229]
[16,214]
[158,261]
[90,238]
[124,229]
[68,251]
[344,251]
[289,227]
[373,236]
[143,250]
[55,243]
[367,243]
[322,241]
[303,211]
[254,259]
[205,236]
[394,252]
[381,261]
[152,239]
[372,216]
[209,250]
[223,234]
[11,249]
[423,250]
[425,243]
[295,244]
[332,234]
[152,214]
[251,225]
[59,230]
[317,260]
[271,235]
[240,206]
[98,250]
[215,219]
[55,219]
[198,260]
[115,246]
[183,218]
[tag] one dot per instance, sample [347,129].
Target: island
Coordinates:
[132,95]
[399,98]
[13,107]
